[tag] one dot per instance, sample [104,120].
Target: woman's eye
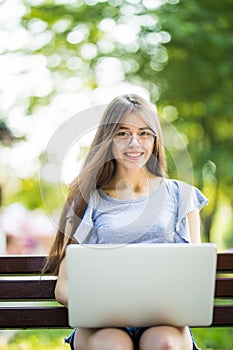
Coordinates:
[143,133]
[122,134]
[146,133]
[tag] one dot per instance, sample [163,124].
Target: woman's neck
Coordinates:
[131,184]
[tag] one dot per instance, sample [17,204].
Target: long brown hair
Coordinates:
[100,167]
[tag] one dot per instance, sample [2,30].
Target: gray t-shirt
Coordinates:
[160,217]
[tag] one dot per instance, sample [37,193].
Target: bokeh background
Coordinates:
[59,57]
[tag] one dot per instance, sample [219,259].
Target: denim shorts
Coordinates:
[134,333]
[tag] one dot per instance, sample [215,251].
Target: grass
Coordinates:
[206,339]
[51,339]
[214,338]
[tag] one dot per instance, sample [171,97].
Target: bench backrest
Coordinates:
[27,299]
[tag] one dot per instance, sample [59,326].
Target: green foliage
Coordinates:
[229,235]
[206,338]
[31,194]
[41,198]
[198,81]
[28,194]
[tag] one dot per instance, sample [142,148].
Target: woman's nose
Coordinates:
[134,139]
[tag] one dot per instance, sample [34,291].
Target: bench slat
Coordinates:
[57,317]
[24,290]
[225,262]
[223,316]
[21,264]
[38,317]
[224,288]
[44,289]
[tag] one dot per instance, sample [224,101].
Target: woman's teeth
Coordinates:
[134,155]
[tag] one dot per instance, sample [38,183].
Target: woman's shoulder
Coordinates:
[179,188]
[174,185]
[186,192]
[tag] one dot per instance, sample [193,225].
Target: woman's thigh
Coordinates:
[102,339]
[166,337]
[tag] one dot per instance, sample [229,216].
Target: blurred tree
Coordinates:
[179,51]
[6,136]
[198,81]
[6,139]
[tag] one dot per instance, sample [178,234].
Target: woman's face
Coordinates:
[133,142]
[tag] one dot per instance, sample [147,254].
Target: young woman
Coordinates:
[122,195]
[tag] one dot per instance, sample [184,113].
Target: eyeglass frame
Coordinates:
[129,138]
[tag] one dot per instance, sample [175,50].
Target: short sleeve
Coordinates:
[85,226]
[189,199]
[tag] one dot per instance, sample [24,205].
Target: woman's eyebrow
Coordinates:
[128,128]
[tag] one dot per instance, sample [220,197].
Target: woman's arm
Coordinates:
[61,289]
[194,226]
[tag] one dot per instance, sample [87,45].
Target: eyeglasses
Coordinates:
[124,137]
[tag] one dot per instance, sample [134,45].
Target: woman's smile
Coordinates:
[134,155]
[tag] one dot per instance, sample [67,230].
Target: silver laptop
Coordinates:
[141,284]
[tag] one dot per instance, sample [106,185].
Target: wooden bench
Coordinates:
[27,301]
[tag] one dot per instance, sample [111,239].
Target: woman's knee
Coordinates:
[165,338]
[108,339]
[156,339]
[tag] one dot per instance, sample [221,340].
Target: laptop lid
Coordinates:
[141,284]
